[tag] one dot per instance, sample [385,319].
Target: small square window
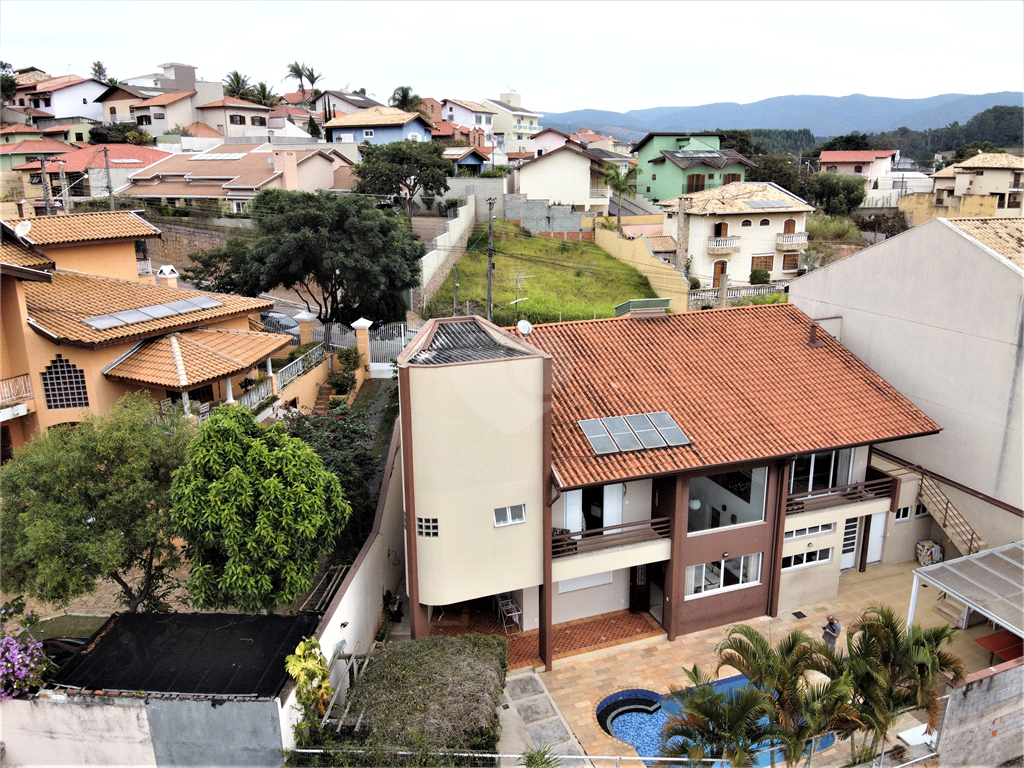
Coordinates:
[654,177]
[501,516]
[236,119]
[517,513]
[479,119]
[426,526]
[487,120]
[920,511]
[509,515]
[368,133]
[903,513]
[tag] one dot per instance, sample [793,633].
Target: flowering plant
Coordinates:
[22,666]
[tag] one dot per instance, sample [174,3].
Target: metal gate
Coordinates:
[386,343]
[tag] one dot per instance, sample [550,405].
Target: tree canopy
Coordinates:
[90,502]
[839,194]
[99,70]
[404,168]
[621,184]
[850,143]
[257,510]
[8,85]
[261,93]
[742,142]
[967,151]
[237,86]
[404,99]
[118,133]
[779,169]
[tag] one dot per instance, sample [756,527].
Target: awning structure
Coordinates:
[989,582]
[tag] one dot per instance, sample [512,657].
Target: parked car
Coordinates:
[278,322]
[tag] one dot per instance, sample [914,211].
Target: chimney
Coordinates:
[167,276]
[814,341]
[286,163]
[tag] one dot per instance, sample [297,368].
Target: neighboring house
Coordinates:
[937,311]
[22,115]
[16,133]
[516,159]
[176,77]
[228,176]
[514,126]
[82,327]
[27,151]
[433,109]
[874,165]
[495,156]
[738,228]
[594,140]
[378,125]
[996,175]
[235,117]
[85,171]
[610,156]
[69,132]
[676,164]
[29,75]
[161,113]
[199,130]
[467,160]
[471,114]
[64,96]
[549,139]
[118,101]
[342,102]
[631,487]
[565,176]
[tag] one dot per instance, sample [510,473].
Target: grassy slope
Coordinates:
[576,282]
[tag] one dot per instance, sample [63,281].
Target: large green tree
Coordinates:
[621,184]
[8,85]
[850,142]
[779,169]
[404,168]
[297,71]
[967,151]
[257,510]
[839,194]
[404,99]
[261,93]
[237,86]
[90,502]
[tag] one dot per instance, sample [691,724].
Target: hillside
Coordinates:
[571,281]
[824,115]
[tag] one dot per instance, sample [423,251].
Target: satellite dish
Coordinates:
[270,159]
[23,228]
[524,327]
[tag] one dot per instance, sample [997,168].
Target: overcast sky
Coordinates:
[558,55]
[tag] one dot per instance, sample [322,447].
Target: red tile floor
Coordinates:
[569,639]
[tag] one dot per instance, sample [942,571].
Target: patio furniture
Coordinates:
[1004,644]
[498,599]
[510,615]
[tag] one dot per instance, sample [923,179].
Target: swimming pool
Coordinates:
[637,716]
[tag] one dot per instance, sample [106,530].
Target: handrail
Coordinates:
[881,488]
[257,394]
[15,388]
[299,366]
[634,532]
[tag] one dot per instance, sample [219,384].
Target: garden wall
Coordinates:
[177,241]
[665,279]
[448,249]
[919,207]
[538,216]
[306,387]
[464,186]
[984,720]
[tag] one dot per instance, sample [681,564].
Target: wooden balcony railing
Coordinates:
[882,488]
[15,389]
[577,542]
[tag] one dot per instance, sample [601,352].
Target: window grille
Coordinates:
[64,385]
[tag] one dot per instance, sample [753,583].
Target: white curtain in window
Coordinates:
[573,510]
[844,463]
[613,506]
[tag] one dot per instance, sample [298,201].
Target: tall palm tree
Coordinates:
[404,99]
[312,78]
[237,86]
[619,183]
[264,94]
[731,725]
[297,71]
[800,710]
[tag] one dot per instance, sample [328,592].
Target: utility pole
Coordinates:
[46,188]
[110,186]
[64,193]
[490,258]
[455,290]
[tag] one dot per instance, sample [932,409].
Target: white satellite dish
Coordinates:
[270,159]
[23,228]
[524,327]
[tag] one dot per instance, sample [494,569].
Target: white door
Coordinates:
[876,536]
[850,536]
[573,510]
[612,506]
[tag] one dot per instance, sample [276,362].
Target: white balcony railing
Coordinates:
[724,244]
[257,394]
[15,389]
[791,241]
[293,370]
[600,192]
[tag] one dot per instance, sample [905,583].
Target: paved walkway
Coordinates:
[579,684]
[530,719]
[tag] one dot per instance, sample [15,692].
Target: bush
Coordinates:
[757,301]
[336,401]
[498,172]
[296,352]
[694,284]
[889,224]
[832,228]
[760,277]
[348,358]
[342,381]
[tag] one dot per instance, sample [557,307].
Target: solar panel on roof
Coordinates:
[668,428]
[598,436]
[152,312]
[181,306]
[157,311]
[644,430]
[621,433]
[205,302]
[130,316]
[103,322]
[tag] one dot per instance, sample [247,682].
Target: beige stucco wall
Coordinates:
[755,240]
[562,178]
[306,387]
[484,421]
[592,601]
[316,173]
[666,280]
[115,260]
[919,207]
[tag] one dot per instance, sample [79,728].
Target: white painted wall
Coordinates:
[593,601]
[755,240]
[68,102]
[562,178]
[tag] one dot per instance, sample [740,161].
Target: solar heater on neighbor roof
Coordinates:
[103,322]
[598,436]
[205,302]
[130,316]
[157,311]
[621,433]
[645,430]
[668,428]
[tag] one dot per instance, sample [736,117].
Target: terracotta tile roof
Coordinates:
[994,160]
[229,101]
[10,129]
[59,308]
[1004,236]
[30,111]
[284,110]
[206,355]
[81,160]
[203,131]
[165,98]
[472,106]
[949,172]
[742,383]
[292,97]
[82,227]
[733,198]
[51,84]
[661,242]
[45,145]
[376,116]
[444,128]
[13,252]
[855,156]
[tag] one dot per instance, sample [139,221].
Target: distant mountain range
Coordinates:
[824,115]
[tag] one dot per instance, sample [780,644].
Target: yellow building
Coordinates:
[988,185]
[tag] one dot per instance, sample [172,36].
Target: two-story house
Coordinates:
[657,462]
[566,175]
[995,175]
[378,125]
[26,151]
[873,165]
[738,228]
[62,97]
[471,115]
[342,102]
[675,164]
[514,126]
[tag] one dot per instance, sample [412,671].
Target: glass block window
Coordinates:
[426,526]
[64,385]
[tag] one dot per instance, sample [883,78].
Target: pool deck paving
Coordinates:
[578,684]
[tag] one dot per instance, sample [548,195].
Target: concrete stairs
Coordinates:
[950,609]
[949,518]
[323,397]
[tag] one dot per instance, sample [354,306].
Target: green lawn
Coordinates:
[567,280]
[68,625]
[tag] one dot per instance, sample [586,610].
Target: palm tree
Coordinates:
[619,183]
[297,71]
[404,99]
[236,86]
[312,77]
[800,710]
[263,94]
[731,725]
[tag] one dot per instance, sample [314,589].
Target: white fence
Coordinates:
[697,299]
[257,394]
[443,244]
[335,336]
[293,370]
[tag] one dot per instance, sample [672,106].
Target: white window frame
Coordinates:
[415,137]
[802,564]
[508,515]
[810,530]
[367,133]
[921,511]
[902,514]
[691,574]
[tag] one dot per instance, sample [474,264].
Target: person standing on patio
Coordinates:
[831,632]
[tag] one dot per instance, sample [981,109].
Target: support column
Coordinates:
[913,600]
[305,321]
[675,571]
[782,490]
[228,397]
[547,475]
[864,539]
[362,329]
[269,370]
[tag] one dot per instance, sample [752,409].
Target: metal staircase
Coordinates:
[949,518]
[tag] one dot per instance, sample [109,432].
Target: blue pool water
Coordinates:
[644,713]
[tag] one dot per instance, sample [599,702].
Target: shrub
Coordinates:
[694,284]
[498,172]
[760,277]
[341,381]
[348,358]
[428,202]
[296,352]
[756,301]
[336,402]
[832,228]
[889,224]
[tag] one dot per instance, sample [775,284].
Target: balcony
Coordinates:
[16,389]
[580,542]
[869,490]
[723,245]
[791,241]
[524,128]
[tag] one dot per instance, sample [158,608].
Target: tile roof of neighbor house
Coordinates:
[742,383]
[661,243]
[203,131]
[165,98]
[52,84]
[286,110]
[91,157]
[20,255]
[292,97]
[374,116]
[573,137]
[472,106]
[1004,236]
[855,156]
[737,198]
[460,153]
[82,227]
[9,129]
[993,160]
[43,145]
[509,108]
[58,310]
[444,129]
[712,158]
[949,172]
[30,111]
[356,99]
[131,90]
[230,101]
[206,355]
[654,134]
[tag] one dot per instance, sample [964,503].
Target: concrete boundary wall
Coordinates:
[448,249]
[539,216]
[666,280]
[984,720]
[465,186]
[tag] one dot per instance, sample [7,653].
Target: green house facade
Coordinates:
[676,164]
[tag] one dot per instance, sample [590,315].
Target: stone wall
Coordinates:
[464,186]
[177,241]
[538,216]
[984,721]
